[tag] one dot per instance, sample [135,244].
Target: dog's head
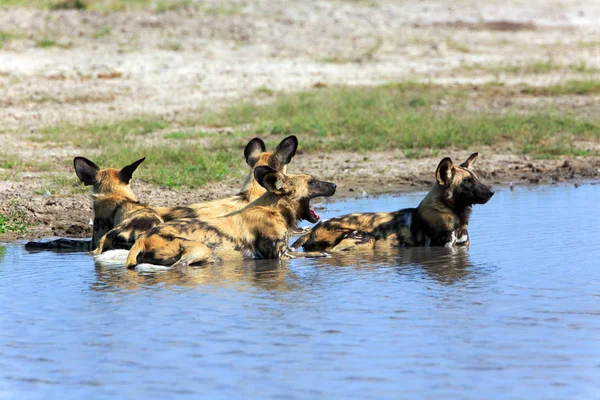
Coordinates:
[256,153]
[297,190]
[460,184]
[108,181]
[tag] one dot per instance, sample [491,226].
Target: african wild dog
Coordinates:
[113,202]
[259,230]
[256,155]
[118,215]
[441,219]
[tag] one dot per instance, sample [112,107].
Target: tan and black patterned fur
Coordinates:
[259,230]
[256,155]
[118,215]
[113,201]
[441,219]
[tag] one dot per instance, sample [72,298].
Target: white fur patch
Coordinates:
[452,240]
[118,258]
[462,239]
[112,258]
[150,268]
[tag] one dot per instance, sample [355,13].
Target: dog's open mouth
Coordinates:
[315,217]
[308,213]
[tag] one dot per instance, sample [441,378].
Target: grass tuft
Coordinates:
[16,222]
[578,87]
[45,42]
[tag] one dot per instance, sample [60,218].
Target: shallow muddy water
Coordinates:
[515,316]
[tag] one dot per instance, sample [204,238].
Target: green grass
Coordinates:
[173,165]
[8,36]
[263,90]
[45,42]
[401,117]
[222,11]
[405,116]
[170,45]
[535,67]
[15,222]
[103,32]
[577,87]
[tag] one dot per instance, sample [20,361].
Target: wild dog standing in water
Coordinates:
[256,155]
[441,219]
[114,202]
[259,230]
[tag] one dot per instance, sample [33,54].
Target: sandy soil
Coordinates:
[107,66]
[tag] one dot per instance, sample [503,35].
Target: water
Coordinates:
[515,316]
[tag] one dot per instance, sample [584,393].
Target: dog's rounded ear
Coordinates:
[126,172]
[467,164]
[286,150]
[270,179]
[253,148]
[445,172]
[86,170]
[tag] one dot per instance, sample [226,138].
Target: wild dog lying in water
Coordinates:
[259,230]
[441,219]
[114,204]
[256,155]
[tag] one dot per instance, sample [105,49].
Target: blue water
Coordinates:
[515,316]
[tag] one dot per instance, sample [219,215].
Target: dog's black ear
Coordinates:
[86,170]
[467,164]
[270,179]
[445,172]
[253,148]
[126,172]
[286,150]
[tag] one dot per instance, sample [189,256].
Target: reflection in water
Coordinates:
[444,265]
[243,275]
[510,314]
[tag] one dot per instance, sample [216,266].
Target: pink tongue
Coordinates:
[314,214]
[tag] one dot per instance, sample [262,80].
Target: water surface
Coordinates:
[515,316]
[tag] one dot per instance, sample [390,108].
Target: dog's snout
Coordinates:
[490,193]
[334,186]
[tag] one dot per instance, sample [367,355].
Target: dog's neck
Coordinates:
[439,206]
[277,202]
[108,204]
[251,189]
